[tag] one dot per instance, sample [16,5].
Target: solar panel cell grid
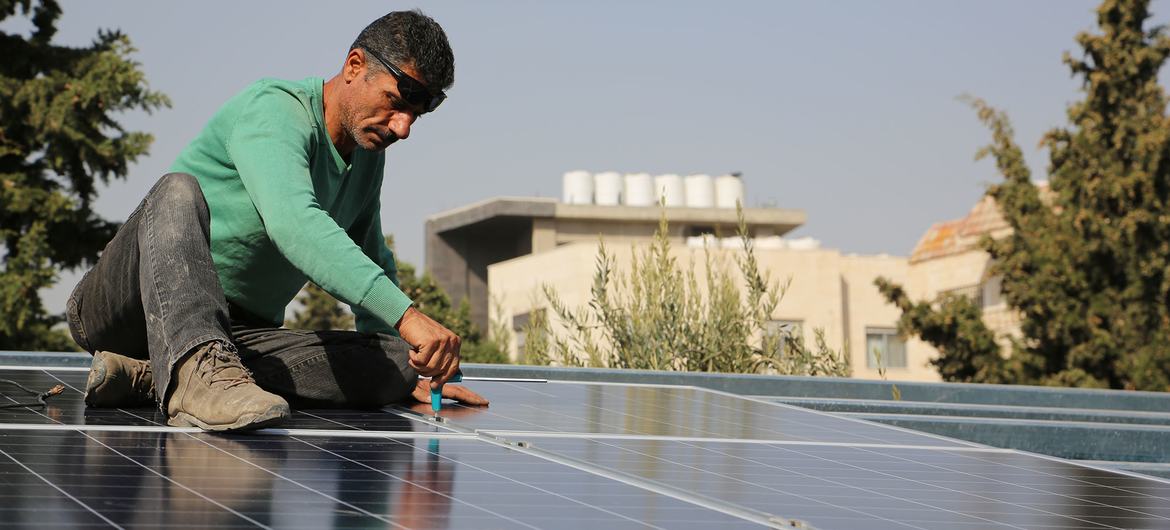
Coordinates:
[888,486]
[664,411]
[135,479]
[620,456]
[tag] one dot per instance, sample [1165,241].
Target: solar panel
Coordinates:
[836,486]
[520,410]
[543,455]
[137,479]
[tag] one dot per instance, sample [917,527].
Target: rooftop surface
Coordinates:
[565,448]
[782,220]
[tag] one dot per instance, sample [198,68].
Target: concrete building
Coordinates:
[462,243]
[950,259]
[499,252]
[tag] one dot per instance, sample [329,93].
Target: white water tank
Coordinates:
[728,191]
[804,243]
[669,189]
[707,241]
[577,187]
[607,188]
[639,190]
[700,191]
[734,242]
[769,243]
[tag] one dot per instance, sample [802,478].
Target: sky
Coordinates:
[846,110]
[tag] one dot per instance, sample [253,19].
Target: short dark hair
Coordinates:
[410,38]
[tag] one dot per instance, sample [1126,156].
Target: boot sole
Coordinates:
[273,416]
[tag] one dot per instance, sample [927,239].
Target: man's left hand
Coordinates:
[460,393]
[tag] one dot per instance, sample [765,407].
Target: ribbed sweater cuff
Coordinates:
[386,301]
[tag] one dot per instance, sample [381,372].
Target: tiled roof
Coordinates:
[961,235]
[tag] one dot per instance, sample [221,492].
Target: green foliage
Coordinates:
[320,310]
[57,137]
[1088,268]
[659,318]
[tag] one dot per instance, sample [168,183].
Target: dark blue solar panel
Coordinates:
[151,480]
[663,411]
[876,487]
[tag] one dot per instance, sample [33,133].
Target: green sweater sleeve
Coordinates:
[368,233]
[270,145]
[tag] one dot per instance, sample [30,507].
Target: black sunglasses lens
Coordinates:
[418,95]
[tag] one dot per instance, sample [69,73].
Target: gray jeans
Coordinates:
[154,294]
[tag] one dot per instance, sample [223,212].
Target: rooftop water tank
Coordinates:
[804,243]
[728,191]
[707,241]
[639,190]
[577,187]
[670,190]
[700,190]
[769,243]
[607,188]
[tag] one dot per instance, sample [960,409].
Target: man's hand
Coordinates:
[435,352]
[460,393]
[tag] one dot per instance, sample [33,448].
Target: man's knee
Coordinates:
[180,189]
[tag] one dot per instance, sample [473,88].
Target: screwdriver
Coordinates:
[437,393]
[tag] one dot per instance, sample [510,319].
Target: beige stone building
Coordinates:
[498,254]
[949,259]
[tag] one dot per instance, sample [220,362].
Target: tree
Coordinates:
[58,137]
[319,311]
[1088,269]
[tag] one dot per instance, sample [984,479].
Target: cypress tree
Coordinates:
[1088,266]
[58,138]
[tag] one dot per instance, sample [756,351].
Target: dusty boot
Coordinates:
[119,381]
[214,392]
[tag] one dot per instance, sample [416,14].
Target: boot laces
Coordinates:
[223,368]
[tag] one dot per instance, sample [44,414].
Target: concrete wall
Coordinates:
[930,278]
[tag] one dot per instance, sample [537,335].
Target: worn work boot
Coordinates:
[119,381]
[214,392]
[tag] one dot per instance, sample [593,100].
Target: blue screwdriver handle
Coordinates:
[437,393]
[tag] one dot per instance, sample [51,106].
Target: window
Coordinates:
[993,292]
[886,342]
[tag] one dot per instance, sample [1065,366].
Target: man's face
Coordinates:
[376,115]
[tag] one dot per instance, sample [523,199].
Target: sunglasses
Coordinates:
[415,93]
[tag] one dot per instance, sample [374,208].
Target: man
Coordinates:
[282,186]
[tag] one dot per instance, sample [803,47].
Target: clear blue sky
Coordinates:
[844,109]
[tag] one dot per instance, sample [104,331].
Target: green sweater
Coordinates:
[285,207]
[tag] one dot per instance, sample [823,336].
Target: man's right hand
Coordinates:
[435,349]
